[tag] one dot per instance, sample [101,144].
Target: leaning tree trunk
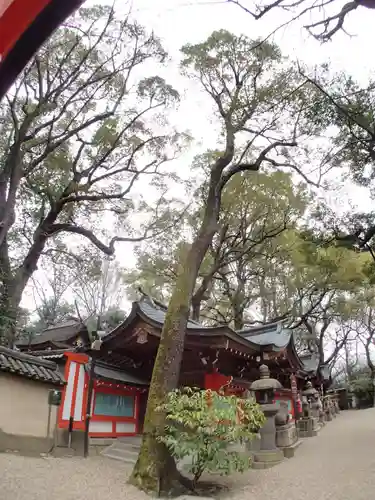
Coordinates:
[14,284]
[155,470]
[9,307]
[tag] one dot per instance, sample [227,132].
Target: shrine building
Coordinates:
[118,373]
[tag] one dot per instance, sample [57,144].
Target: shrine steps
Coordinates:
[124,449]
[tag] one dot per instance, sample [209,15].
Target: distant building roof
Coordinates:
[58,334]
[310,363]
[29,366]
[272,334]
[156,311]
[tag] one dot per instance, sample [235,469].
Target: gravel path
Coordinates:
[339,464]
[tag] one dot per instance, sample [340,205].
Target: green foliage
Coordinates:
[362,386]
[202,425]
[258,216]
[244,77]
[81,127]
[108,320]
[51,312]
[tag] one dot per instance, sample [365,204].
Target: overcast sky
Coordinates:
[178,22]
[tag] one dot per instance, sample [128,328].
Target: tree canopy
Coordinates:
[79,130]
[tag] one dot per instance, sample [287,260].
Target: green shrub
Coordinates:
[202,425]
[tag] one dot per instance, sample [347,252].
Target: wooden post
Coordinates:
[88,407]
[56,428]
[49,420]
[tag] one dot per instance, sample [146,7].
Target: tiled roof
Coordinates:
[156,312]
[110,373]
[264,335]
[51,353]
[30,366]
[56,334]
[272,334]
[310,362]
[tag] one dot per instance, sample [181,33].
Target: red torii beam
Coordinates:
[24,26]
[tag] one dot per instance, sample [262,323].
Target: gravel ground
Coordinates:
[339,464]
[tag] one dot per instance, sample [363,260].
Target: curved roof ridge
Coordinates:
[271,335]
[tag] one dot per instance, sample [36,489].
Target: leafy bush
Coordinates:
[363,388]
[203,424]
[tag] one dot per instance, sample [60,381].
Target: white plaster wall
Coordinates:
[24,406]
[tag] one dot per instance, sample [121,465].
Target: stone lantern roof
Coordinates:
[265,382]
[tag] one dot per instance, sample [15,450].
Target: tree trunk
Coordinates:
[9,307]
[14,283]
[155,470]
[200,295]
[237,319]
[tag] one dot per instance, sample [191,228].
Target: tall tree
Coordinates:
[80,284]
[261,115]
[77,132]
[99,294]
[342,102]
[256,209]
[363,325]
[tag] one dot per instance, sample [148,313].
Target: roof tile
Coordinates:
[29,366]
[57,334]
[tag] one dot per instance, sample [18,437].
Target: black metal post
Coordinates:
[88,406]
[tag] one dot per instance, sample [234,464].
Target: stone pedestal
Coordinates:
[286,431]
[328,414]
[333,410]
[268,454]
[315,408]
[308,427]
[287,439]
[322,418]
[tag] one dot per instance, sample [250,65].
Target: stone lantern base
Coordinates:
[308,427]
[287,439]
[322,419]
[264,459]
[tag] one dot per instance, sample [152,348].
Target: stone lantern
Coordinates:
[268,454]
[286,431]
[312,397]
[336,403]
[308,425]
[332,405]
[308,396]
[327,408]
